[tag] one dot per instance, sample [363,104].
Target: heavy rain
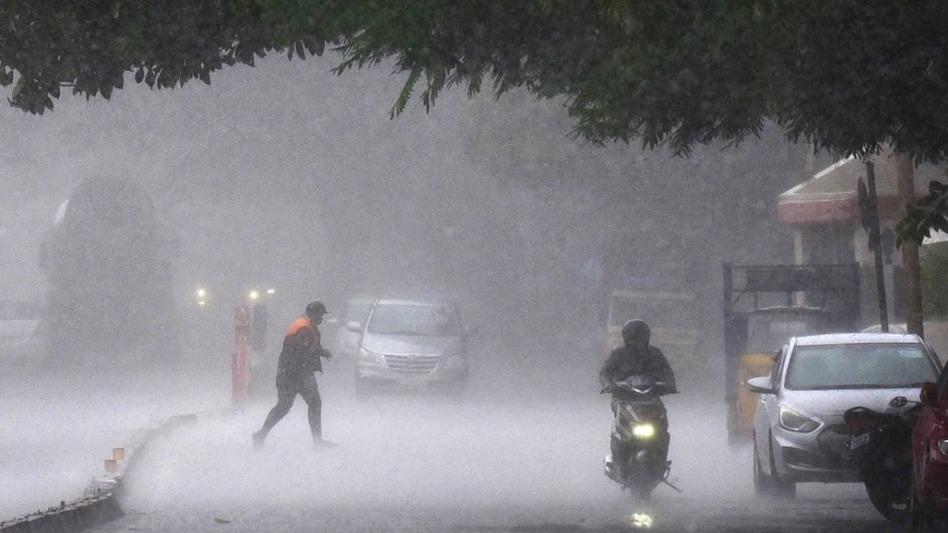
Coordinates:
[286,177]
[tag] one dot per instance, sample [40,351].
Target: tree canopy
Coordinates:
[848,76]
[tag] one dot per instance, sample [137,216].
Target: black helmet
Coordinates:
[636,331]
[315,308]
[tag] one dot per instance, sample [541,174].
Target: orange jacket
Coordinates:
[301,350]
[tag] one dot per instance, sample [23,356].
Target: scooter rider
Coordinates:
[635,358]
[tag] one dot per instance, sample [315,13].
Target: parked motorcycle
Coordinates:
[880,446]
[639,459]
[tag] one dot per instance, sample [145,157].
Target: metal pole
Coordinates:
[240,360]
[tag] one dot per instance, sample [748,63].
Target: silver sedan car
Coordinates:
[814,380]
[412,344]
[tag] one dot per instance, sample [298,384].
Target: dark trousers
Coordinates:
[286,394]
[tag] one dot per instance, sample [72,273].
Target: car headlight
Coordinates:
[794,421]
[370,358]
[943,446]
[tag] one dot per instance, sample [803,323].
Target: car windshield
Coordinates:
[859,366]
[411,319]
[17,310]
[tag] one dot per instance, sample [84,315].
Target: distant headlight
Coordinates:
[201,296]
[370,358]
[794,421]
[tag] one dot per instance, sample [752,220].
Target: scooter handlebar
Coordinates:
[639,385]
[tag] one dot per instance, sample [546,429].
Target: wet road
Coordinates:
[488,462]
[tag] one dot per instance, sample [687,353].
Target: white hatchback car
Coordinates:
[814,380]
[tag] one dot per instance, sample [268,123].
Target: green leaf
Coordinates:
[405,93]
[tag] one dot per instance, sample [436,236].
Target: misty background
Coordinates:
[287,176]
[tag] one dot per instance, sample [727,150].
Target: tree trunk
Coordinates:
[913,291]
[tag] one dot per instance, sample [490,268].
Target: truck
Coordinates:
[107,260]
[765,305]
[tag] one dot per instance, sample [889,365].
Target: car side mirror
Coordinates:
[760,385]
[929,394]
[354,326]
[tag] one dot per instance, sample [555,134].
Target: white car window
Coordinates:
[778,363]
[859,366]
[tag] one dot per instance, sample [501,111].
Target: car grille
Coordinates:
[412,364]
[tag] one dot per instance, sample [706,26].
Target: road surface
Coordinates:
[495,460]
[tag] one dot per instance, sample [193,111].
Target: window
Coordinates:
[778,362]
[859,366]
[414,319]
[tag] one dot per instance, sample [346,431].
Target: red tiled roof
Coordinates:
[831,194]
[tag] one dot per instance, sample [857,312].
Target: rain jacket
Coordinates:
[627,361]
[301,352]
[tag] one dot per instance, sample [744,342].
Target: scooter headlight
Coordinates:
[640,520]
[643,431]
[794,421]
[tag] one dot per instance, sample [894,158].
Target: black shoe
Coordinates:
[258,438]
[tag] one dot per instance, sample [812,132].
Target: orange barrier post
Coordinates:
[240,362]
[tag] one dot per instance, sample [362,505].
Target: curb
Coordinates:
[98,503]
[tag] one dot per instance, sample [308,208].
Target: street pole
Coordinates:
[905,173]
[876,245]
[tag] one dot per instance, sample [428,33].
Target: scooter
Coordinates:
[880,447]
[639,459]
